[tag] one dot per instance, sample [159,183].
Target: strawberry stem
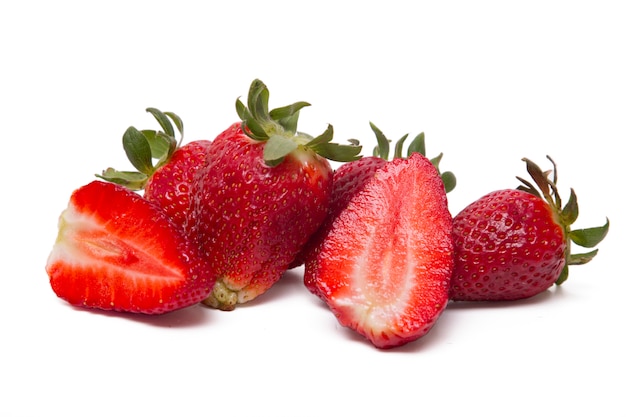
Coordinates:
[142,147]
[278,128]
[566,216]
[418,144]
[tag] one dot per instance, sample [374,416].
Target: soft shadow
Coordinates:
[438,333]
[192,316]
[556,291]
[289,284]
[187,317]
[432,338]
[355,337]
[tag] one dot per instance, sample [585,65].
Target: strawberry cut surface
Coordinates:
[117,251]
[385,263]
[347,180]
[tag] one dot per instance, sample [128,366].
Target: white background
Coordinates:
[488,83]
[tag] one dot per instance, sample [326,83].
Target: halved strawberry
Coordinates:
[385,261]
[117,251]
[352,176]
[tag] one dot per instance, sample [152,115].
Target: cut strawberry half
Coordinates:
[385,263]
[117,251]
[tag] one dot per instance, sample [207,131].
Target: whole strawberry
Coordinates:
[264,190]
[514,244]
[165,169]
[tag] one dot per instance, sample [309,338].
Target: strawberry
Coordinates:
[350,177]
[514,244]
[384,262]
[170,185]
[264,190]
[168,182]
[117,251]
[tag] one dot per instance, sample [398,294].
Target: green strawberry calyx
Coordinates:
[278,129]
[418,144]
[147,150]
[565,215]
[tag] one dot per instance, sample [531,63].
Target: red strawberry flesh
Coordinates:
[348,179]
[384,266]
[117,251]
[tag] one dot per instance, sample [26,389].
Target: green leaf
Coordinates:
[418,145]
[276,148]
[177,121]
[242,111]
[538,176]
[131,180]
[581,258]
[339,153]
[159,144]
[382,149]
[286,111]
[449,181]
[435,161]
[552,183]
[399,145]
[262,123]
[589,238]
[528,187]
[165,123]
[325,137]
[254,130]
[569,214]
[290,124]
[335,152]
[258,101]
[563,277]
[287,116]
[280,124]
[138,150]
[249,125]
[171,146]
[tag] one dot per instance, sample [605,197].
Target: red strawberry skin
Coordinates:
[252,219]
[170,185]
[384,264]
[508,246]
[117,251]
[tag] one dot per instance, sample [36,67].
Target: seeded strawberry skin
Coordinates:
[170,186]
[508,246]
[252,219]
